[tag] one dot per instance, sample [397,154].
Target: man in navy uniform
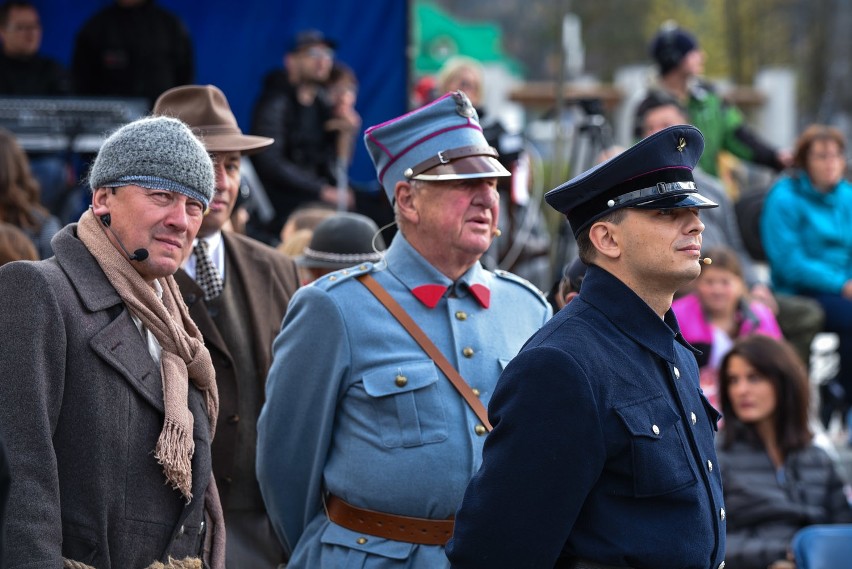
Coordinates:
[364,446]
[602,450]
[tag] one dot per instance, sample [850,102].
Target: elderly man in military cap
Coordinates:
[602,451]
[237,290]
[369,436]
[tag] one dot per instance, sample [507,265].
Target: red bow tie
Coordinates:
[431,294]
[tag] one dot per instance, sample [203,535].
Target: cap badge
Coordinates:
[463,105]
[681,144]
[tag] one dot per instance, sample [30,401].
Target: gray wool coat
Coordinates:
[81,408]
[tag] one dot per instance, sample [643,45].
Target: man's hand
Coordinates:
[762,294]
[847,289]
[329,194]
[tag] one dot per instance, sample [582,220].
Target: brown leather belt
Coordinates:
[388,526]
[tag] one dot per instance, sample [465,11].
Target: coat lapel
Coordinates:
[193,296]
[119,343]
[255,274]
[129,355]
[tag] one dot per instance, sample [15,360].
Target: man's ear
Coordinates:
[406,203]
[100,197]
[606,239]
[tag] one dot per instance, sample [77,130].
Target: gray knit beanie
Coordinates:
[158,153]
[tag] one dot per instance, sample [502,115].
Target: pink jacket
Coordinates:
[696,330]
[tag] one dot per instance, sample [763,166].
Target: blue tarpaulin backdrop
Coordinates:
[238,41]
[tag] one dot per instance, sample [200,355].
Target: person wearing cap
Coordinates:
[342,240]
[360,422]
[602,453]
[110,401]
[237,290]
[680,62]
[800,318]
[293,109]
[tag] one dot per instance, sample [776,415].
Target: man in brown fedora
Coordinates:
[237,290]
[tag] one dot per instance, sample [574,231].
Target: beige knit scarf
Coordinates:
[183,358]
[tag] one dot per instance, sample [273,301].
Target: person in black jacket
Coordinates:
[23,71]
[132,48]
[775,479]
[293,109]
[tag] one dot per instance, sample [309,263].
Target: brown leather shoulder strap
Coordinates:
[430,348]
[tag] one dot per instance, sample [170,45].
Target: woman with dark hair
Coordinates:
[775,479]
[19,196]
[805,232]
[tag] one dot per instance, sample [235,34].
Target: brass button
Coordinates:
[656,429]
[401,380]
[345,271]
[710,466]
[460,315]
[332,278]
[361,540]
[475,391]
[677,373]
[363,267]
[468,352]
[693,418]
[480,430]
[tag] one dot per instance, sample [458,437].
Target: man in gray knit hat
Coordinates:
[109,401]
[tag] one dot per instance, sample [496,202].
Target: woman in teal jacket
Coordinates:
[805,232]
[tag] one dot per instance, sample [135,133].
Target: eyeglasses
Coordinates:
[24,27]
[318,52]
[826,156]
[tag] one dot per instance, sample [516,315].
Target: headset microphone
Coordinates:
[138,255]
[706,260]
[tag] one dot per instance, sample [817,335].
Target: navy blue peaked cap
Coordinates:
[655,173]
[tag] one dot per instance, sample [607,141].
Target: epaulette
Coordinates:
[330,280]
[506,275]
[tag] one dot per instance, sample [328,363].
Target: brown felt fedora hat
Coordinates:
[205,109]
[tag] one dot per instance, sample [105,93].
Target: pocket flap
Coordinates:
[712,412]
[400,378]
[337,535]
[649,418]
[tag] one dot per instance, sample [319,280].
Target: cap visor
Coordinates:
[465,168]
[691,199]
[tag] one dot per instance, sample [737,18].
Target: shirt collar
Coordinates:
[428,284]
[216,250]
[632,315]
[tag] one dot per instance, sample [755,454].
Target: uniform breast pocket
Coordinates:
[712,414]
[409,406]
[661,463]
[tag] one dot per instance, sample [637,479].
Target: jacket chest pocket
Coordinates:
[408,403]
[661,463]
[713,416]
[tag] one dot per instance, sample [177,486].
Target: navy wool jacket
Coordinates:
[602,447]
